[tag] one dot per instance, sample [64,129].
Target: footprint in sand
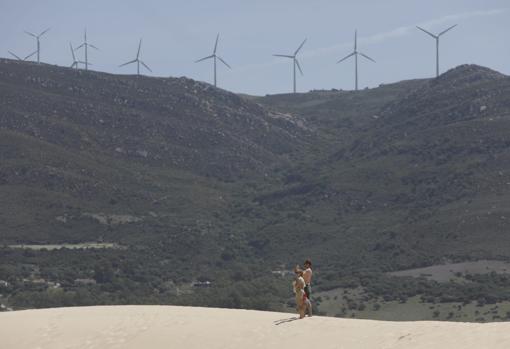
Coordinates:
[405,336]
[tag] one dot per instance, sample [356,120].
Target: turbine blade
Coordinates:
[364,55]
[222,61]
[93,47]
[44,32]
[427,32]
[348,56]
[286,56]
[31,34]
[203,59]
[15,55]
[299,66]
[146,66]
[133,61]
[77,48]
[73,65]
[30,55]
[444,31]
[72,51]
[139,47]
[299,48]
[216,43]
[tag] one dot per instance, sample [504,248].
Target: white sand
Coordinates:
[154,327]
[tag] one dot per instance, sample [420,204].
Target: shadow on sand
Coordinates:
[282,321]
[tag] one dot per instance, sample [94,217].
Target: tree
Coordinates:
[103,273]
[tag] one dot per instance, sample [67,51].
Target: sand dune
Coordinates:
[154,327]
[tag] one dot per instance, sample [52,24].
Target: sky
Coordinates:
[177,33]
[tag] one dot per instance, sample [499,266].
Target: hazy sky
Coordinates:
[176,33]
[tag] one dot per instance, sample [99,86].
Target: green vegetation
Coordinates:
[213,196]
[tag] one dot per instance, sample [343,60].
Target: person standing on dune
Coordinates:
[298,286]
[307,277]
[302,301]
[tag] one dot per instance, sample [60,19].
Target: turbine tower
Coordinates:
[295,63]
[355,53]
[37,38]
[137,61]
[22,59]
[214,56]
[86,45]
[75,61]
[437,43]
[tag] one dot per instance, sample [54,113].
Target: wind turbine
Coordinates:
[437,43]
[22,59]
[214,56]
[355,53]
[295,62]
[37,37]
[137,61]
[75,61]
[86,45]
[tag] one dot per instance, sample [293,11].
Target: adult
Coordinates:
[307,276]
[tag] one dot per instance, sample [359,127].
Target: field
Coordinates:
[455,271]
[352,303]
[84,245]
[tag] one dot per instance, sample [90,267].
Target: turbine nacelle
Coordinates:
[40,34]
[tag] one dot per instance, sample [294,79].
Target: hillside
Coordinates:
[417,179]
[198,196]
[147,169]
[187,327]
[426,165]
[173,122]
[79,146]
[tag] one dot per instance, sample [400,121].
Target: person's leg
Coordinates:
[302,311]
[309,307]
[299,304]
